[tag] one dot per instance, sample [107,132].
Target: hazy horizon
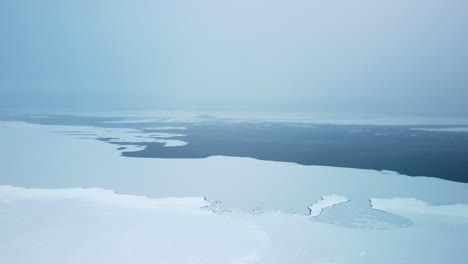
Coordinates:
[362,57]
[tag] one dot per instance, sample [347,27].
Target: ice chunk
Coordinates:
[326,201]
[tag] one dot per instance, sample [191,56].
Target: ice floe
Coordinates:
[325,202]
[126,135]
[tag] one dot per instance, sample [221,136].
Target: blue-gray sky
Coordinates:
[365,56]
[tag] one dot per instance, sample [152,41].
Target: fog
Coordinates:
[400,57]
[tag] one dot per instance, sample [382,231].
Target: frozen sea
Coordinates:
[198,188]
[416,150]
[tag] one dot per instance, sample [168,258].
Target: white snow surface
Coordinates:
[99,226]
[326,202]
[51,217]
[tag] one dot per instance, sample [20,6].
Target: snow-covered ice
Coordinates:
[50,217]
[99,226]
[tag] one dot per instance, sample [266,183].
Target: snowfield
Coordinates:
[98,226]
[65,199]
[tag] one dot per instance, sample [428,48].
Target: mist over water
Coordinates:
[393,58]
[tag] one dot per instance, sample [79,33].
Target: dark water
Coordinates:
[415,153]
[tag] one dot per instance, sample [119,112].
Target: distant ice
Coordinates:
[451,129]
[166,128]
[127,135]
[259,117]
[174,143]
[307,118]
[132,121]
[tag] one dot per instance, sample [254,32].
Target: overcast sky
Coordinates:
[399,57]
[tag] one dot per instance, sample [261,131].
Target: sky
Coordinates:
[399,57]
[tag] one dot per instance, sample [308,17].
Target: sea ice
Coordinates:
[326,201]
